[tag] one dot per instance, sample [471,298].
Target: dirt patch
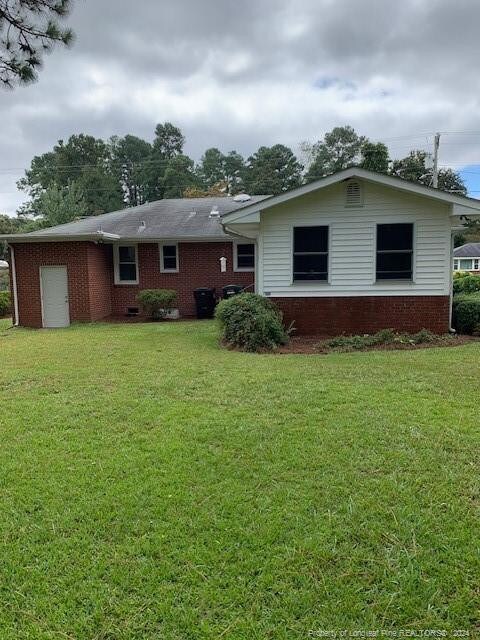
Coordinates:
[317,345]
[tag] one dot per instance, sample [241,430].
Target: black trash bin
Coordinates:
[205,302]
[232,290]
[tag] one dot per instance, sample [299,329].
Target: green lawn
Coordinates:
[155,486]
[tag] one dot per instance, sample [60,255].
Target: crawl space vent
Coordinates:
[353,194]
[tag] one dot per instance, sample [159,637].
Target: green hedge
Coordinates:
[466,284]
[251,322]
[4,303]
[157,303]
[466,312]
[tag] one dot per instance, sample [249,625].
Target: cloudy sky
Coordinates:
[241,73]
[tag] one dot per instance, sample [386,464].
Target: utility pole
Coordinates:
[436,144]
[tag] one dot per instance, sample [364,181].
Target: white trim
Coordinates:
[238,269]
[116,264]
[14,286]
[354,172]
[318,283]
[169,244]
[395,281]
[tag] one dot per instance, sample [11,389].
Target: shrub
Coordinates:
[4,280]
[4,303]
[466,284]
[157,303]
[466,312]
[383,337]
[251,322]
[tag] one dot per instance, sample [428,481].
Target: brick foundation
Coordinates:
[357,315]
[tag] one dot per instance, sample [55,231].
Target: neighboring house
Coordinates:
[353,252]
[467,257]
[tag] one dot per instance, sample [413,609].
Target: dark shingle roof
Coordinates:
[469,250]
[169,218]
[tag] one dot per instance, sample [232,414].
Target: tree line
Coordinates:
[90,176]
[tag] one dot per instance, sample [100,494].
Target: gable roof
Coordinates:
[363,174]
[172,219]
[469,250]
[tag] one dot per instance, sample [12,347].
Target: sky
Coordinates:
[241,74]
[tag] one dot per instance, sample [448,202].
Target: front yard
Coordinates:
[154,486]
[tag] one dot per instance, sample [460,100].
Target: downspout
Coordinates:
[450,318]
[14,287]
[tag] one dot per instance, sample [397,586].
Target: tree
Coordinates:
[84,160]
[129,159]
[168,141]
[29,29]
[413,168]
[375,157]
[339,149]
[179,176]
[272,170]
[58,205]
[7,225]
[217,168]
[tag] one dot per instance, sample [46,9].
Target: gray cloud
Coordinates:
[241,74]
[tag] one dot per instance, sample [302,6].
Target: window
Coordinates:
[310,253]
[455,265]
[126,264]
[466,265]
[476,264]
[244,256]
[168,258]
[394,251]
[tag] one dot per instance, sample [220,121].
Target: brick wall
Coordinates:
[100,278]
[92,292]
[30,257]
[199,266]
[356,315]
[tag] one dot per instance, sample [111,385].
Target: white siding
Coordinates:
[352,237]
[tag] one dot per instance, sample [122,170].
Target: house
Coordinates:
[467,258]
[353,252]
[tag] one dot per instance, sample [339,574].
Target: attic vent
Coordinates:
[353,194]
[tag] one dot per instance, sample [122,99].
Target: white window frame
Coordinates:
[116,263]
[476,264]
[235,256]
[169,244]
[407,281]
[317,283]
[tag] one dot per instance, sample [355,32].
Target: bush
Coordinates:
[4,280]
[157,303]
[466,312]
[383,337]
[251,322]
[466,284]
[4,303]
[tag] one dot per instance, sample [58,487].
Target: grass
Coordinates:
[154,486]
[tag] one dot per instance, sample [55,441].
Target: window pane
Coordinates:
[245,249]
[394,262]
[310,239]
[170,250]
[127,271]
[465,265]
[245,262]
[310,267]
[169,263]
[126,254]
[394,237]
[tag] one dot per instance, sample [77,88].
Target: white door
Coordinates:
[54,290]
